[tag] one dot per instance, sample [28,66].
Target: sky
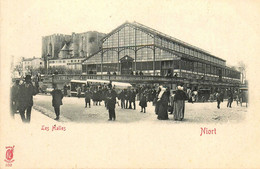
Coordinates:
[227,29]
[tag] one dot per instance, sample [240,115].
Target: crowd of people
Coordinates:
[231,96]
[164,100]
[22,93]
[130,73]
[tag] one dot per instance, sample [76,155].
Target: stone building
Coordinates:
[69,63]
[68,46]
[58,47]
[30,64]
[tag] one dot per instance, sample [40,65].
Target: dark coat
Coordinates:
[56,97]
[219,97]
[162,106]
[88,95]
[95,96]
[180,95]
[25,95]
[230,96]
[14,92]
[104,93]
[65,88]
[132,96]
[111,99]
[127,95]
[99,95]
[143,100]
[122,95]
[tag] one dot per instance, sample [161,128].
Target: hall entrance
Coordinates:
[126,65]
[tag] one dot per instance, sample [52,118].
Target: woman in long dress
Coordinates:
[155,103]
[171,103]
[179,103]
[163,99]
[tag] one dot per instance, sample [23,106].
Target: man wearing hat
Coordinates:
[111,101]
[56,100]
[88,95]
[25,98]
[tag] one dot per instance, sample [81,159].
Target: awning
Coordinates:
[121,85]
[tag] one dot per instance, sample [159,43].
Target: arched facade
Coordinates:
[157,54]
[134,42]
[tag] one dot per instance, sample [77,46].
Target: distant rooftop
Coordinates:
[30,59]
[61,34]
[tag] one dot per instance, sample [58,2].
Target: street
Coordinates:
[135,138]
[73,110]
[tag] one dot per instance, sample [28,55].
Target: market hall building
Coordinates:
[133,47]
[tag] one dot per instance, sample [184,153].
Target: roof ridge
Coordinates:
[170,37]
[153,31]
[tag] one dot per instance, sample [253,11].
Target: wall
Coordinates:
[37,62]
[54,43]
[57,41]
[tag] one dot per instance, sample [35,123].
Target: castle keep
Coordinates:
[81,45]
[68,51]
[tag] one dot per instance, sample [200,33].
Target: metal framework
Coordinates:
[154,34]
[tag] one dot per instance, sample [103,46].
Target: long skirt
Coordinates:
[156,108]
[162,112]
[179,106]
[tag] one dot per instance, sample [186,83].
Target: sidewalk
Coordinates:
[36,118]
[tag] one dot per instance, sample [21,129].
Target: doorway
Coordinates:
[126,65]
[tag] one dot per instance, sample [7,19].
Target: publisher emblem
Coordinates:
[9,155]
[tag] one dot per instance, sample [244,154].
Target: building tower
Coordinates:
[82,51]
